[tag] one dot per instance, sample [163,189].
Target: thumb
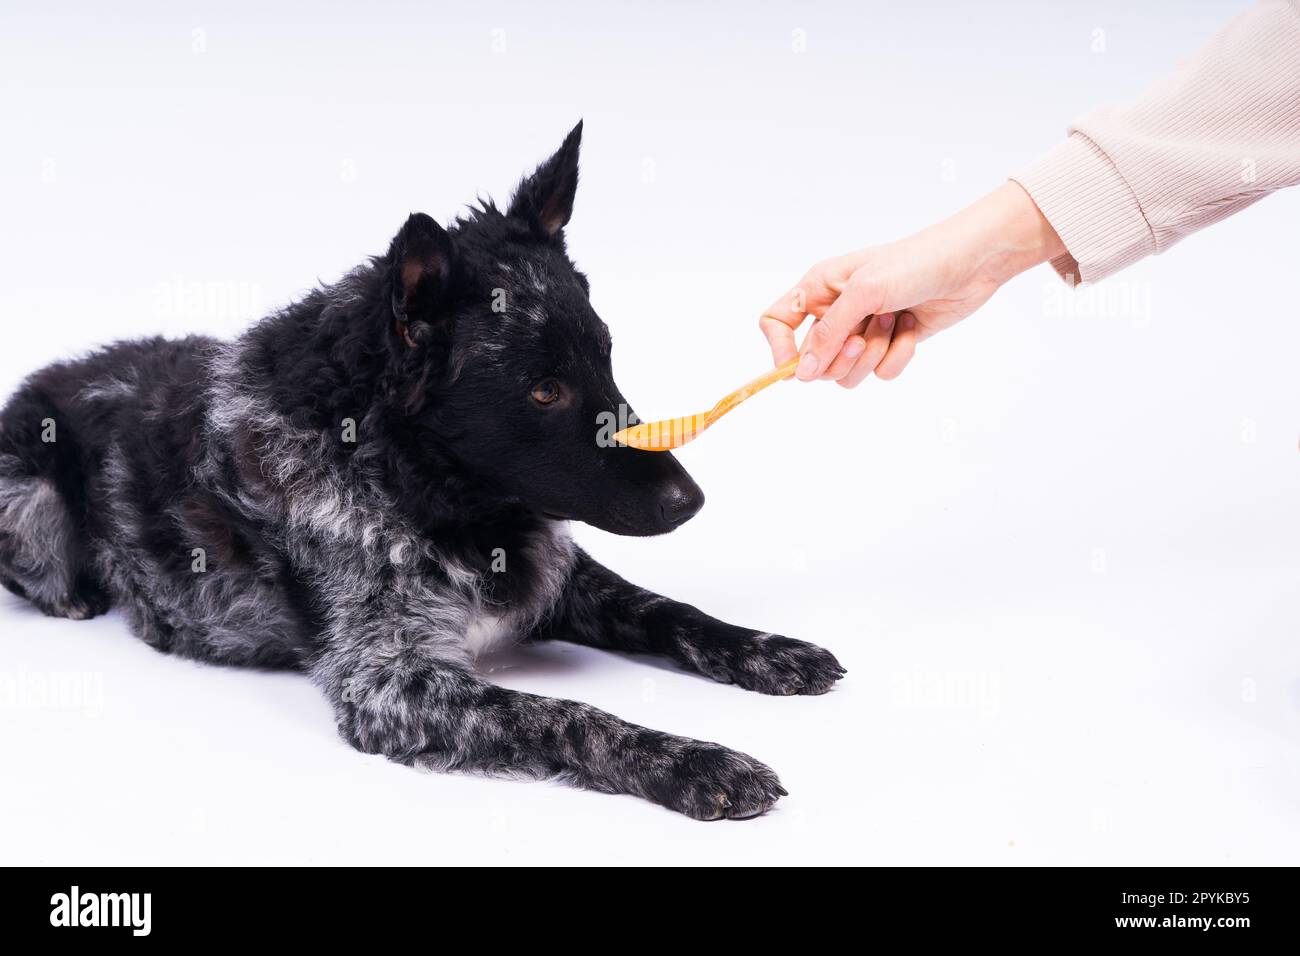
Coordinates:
[861,298]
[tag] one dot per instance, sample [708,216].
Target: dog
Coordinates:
[373,486]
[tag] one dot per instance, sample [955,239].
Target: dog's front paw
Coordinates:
[771,664]
[708,782]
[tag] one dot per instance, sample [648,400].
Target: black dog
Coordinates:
[372,486]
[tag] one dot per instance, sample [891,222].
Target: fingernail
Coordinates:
[853,347]
[909,321]
[886,321]
[807,367]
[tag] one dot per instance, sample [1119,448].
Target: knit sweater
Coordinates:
[1218,134]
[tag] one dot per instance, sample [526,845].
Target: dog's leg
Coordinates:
[600,609]
[400,698]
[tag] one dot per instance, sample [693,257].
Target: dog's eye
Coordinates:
[546,392]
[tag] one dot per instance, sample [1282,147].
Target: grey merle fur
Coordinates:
[472,368]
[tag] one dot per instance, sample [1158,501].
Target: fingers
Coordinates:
[852,339]
[842,364]
[859,299]
[780,338]
[901,348]
[879,332]
[852,348]
[812,293]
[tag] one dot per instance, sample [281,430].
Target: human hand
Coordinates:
[874,305]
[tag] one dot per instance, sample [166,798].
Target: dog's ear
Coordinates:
[545,199]
[420,263]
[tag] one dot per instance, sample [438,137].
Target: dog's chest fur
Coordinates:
[519,574]
[487,632]
[462,590]
[474,589]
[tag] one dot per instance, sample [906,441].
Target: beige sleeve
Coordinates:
[1219,133]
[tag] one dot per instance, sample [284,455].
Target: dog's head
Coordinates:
[506,366]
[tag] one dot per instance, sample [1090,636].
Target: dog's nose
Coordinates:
[680,501]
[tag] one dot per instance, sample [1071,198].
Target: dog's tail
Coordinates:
[42,554]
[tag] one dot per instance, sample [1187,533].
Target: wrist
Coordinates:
[1007,234]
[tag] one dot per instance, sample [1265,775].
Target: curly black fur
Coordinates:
[372,486]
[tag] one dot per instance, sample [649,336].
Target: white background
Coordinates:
[1058,556]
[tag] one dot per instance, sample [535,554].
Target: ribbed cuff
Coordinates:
[1081,193]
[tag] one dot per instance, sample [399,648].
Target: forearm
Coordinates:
[1216,135]
[1220,133]
[600,609]
[997,237]
[931,279]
